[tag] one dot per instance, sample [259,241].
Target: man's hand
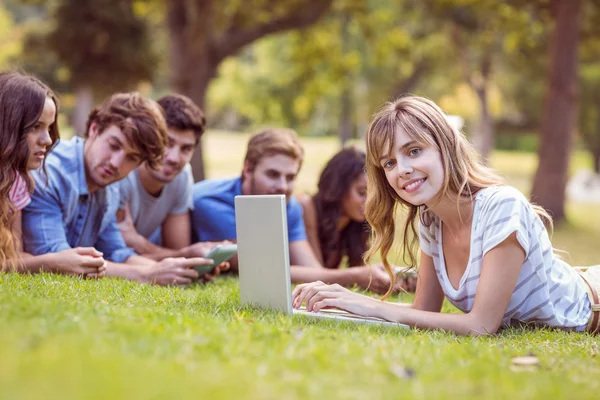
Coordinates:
[373,278]
[224,266]
[201,249]
[174,271]
[132,238]
[83,261]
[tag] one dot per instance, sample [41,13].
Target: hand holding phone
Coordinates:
[218,254]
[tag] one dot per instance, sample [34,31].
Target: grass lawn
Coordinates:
[66,338]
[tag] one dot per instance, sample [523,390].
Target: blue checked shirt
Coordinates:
[63,214]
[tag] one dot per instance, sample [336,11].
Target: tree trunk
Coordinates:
[84,102]
[594,144]
[195,87]
[410,84]
[346,124]
[190,61]
[484,137]
[559,111]
[196,48]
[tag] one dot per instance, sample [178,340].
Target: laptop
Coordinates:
[264,262]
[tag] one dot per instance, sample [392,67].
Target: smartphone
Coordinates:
[219,254]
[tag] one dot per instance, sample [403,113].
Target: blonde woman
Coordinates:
[483,245]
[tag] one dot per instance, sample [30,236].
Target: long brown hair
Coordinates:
[22,99]
[334,183]
[464,174]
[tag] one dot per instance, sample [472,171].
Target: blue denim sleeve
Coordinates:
[112,245]
[43,225]
[296,229]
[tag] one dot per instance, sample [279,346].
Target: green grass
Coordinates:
[66,338]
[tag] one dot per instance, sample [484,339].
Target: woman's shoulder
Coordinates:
[19,194]
[495,196]
[307,203]
[498,205]
[305,200]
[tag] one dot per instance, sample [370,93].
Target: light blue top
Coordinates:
[213,217]
[64,215]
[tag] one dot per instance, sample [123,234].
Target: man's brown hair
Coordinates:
[183,114]
[273,141]
[141,121]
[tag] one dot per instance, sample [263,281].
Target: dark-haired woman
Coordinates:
[28,131]
[335,216]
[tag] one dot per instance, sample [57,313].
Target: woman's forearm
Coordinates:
[463,324]
[33,264]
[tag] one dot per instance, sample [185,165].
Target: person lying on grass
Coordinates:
[483,245]
[272,163]
[28,132]
[75,202]
[335,216]
[155,203]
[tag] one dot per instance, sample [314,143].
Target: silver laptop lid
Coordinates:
[263,252]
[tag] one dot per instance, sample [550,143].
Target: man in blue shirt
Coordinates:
[273,160]
[74,203]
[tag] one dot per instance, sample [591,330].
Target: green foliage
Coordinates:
[521,142]
[102,43]
[370,50]
[41,60]
[10,46]
[524,80]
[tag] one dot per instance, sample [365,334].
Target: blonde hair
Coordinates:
[464,173]
[273,141]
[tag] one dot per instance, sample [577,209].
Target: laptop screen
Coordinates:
[263,252]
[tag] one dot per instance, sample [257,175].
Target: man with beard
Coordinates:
[156,202]
[74,203]
[273,160]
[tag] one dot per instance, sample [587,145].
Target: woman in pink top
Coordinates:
[28,130]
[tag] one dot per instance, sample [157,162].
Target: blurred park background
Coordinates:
[523,75]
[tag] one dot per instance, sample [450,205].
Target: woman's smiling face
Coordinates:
[413,169]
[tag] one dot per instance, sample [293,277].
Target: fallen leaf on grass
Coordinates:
[525,363]
[402,372]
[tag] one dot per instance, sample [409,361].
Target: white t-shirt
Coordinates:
[548,291]
[149,212]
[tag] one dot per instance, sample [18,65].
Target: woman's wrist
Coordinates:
[50,263]
[386,311]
